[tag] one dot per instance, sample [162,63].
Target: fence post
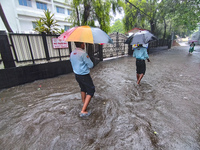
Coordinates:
[45,46]
[100,52]
[5,51]
[90,49]
[130,51]
[70,47]
[90,52]
[169,44]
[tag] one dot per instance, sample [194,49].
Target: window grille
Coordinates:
[25,3]
[60,10]
[41,5]
[67,28]
[69,11]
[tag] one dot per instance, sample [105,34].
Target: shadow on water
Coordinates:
[161,113]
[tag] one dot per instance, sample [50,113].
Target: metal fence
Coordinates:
[38,48]
[0,58]
[35,48]
[118,48]
[160,42]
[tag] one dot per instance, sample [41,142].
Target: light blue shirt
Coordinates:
[81,62]
[140,53]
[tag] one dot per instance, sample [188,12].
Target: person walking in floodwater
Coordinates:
[191,47]
[140,53]
[81,64]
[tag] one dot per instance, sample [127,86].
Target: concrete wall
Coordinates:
[20,75]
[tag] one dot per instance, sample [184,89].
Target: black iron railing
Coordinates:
[35,47]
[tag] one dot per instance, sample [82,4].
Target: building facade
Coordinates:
[22,14]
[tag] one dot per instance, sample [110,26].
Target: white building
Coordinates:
[22,14]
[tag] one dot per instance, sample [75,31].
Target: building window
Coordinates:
[41,5]
[67,28]
[25,3]
[34,25]
[69,11]
[60,10]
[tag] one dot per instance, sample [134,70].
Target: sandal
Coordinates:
[85,114]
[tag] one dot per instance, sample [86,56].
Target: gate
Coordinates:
[119,47]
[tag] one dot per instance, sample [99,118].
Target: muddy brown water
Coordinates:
[163,113]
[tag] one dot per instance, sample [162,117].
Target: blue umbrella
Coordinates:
[141,37]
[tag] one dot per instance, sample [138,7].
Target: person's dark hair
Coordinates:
[140,45]
[78,44]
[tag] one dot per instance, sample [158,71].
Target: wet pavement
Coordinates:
[163,113]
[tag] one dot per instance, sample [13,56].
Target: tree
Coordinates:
[180,16]
[117,27]
[86,12]
[47,25]
[162,16]
[141,14]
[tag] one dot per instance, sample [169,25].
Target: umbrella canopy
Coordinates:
[86,34]
[141,37]
[190,41]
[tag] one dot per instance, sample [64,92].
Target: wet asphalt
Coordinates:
[163,113]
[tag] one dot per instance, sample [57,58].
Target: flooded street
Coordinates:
[163,113]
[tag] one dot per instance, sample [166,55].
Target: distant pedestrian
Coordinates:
[191,47]
[140,53]
[81,64]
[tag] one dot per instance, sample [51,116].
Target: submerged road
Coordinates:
[163,113]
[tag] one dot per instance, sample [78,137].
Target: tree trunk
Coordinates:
[77,13]
[86,12]
[152,26]
[165,27]
[3,17]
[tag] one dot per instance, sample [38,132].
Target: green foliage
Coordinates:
[87,12]
[117,27]
[39,26]
[135,18]
[61,31]
[47,25]
[101,16]
[162,17]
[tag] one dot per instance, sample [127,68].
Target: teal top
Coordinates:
[192,45]
[140,53]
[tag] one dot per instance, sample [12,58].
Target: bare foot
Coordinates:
[84,112]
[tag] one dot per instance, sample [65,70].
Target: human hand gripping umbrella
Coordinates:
[85,34]
[141,37]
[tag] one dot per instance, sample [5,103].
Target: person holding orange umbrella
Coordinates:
[81,62]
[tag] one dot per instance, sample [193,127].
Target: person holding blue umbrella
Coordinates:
[140,53]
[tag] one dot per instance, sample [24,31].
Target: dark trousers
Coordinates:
[86,84]
[140,66]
